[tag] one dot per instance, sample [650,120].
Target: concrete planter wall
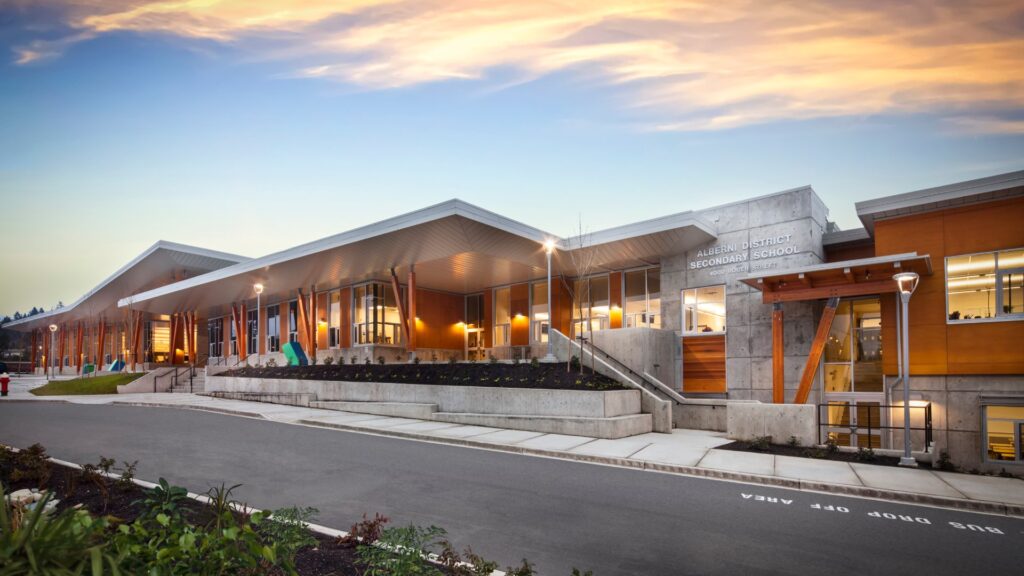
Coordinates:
[462,399]
[749,420]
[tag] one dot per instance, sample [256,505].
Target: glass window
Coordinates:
[234,338]
[215,336]
[642,302]
[985,286]
[376,316]
[474,311]
[334,320]
[539,312]
[502,316]
[273,328]
[591,307]
[853,349]
[253,327]
[1003,427]
[293,321]
[704,310]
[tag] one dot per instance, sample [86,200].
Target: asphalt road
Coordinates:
[559,514]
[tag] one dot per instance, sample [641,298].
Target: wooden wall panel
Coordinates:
[519,294]
[935,346]
[439,316]
[615,300]
[850,253]
[488,318]
[704,364]
[561,307]
[321,320]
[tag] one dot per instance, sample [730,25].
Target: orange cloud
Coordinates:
[681,65]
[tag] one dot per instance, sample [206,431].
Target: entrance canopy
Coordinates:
[454,247]
[844,279]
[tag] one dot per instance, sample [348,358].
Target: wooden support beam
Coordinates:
[865,288]
[412,309]
[101,342]
[313,327]
[401,309]
[136,338]
[34,349]
[243,332]
[805,281]
[303,318]
[817,348]
[849,275]
[778,356]
[174,337]
[78,348]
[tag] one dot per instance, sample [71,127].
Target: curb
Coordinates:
[998,508]
[227,411]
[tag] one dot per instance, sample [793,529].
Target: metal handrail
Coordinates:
[926,426]
[651,386]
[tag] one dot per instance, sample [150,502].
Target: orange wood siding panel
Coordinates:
[561,307]
[439,316]
[488,318]
[704,364]
[851,253]
[615,300]
[935,346]
[519,294]
[321,320]
[345,299]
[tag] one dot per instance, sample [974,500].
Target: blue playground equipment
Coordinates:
[293,352]
[116,366]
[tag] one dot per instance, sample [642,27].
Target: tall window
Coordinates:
[1004,428]
[334,321]
[215,335]
[293,321]
[642,306]
[475,311]
[376,317]
[233,335]
[704,310]
[252,327]
[539,321]
[985,286]
[590,311]
[502,316]
[274,328]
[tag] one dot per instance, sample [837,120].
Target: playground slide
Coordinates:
[293,352]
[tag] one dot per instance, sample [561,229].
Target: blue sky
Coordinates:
[120,132]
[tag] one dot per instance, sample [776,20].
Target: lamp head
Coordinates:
[549,246]
[906,282]
[258,288]
[53,327]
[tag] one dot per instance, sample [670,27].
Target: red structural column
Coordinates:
[243,337]
[101,342]
[412,309]
[402,316]
[78,348]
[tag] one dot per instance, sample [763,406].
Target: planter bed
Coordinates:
[497,375]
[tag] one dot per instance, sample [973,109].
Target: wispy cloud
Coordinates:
[684,65]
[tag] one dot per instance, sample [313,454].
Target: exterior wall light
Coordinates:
[53,355]
[907,283]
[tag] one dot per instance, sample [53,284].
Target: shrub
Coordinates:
[944,463]
[366,531]
[341,360]
[865,454]
[287,527]
[271,363]
[415,359]
[761,443]
[793,441]
[32,463]
[433,357]
[354,359]
[329,360]
[456,564]
[162,500]
[491,358]
[221,503]
[453,360]
[831,446]
[534,361]
[524,569]
[574,362]
[401,551]
[380,360]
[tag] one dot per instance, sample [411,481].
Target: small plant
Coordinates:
[457,564]
[534,361]
[341,360]
[491,359]
[831,446]
[380,360]
[515,360]
[221,504]
[367,361]
[574,362]
[127,478]
[944,463]
[452,360]
[1004,474]
[416,360]
[761,443]
[865,454]
[287,527]
[525,569]
[402,550]
[163,500]
[366,531]
[32,463]
[328,360]
[353,360]
[96,474]
[271,363]
[814,453]
[793,441]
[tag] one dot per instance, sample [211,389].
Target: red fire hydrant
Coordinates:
[4,381]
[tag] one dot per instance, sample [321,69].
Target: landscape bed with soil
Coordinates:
[864,457]
[491,375]
[118,507]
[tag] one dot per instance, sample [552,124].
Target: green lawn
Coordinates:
[90,385]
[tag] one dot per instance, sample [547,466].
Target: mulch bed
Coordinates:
[812,452]
[329,557]
[499,375]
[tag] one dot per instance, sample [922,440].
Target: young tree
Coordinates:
[582,256]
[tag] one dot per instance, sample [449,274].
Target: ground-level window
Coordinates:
[215,336]
[376,318]
[474,311]
[539,312]
[252,330]
[985,286]
[293,321]
[704,310]
[502,316]
[1004,426]
[591,307]
[334,320]
[234,338]
[273,328]
[642,298]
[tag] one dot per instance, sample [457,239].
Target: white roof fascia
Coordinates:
[652,226]
[846,264]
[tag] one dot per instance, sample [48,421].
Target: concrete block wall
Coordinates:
[750,420]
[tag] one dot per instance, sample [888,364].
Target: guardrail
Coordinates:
[860,419]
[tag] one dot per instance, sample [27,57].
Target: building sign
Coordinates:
[759,249]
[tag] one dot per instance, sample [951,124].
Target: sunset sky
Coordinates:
[249,126]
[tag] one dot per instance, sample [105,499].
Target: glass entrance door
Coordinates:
[475,344]
[852,374]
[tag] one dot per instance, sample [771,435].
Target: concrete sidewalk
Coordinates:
[690,452]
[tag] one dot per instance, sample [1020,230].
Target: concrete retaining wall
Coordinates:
[469,399]
[749,420]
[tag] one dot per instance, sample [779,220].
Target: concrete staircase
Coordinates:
[197,385]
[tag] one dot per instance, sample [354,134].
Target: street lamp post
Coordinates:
[549,247]
[907,283]
[53,334]
[258,288]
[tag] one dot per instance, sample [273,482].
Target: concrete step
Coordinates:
[286,398]
[610,428]
[394,409]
